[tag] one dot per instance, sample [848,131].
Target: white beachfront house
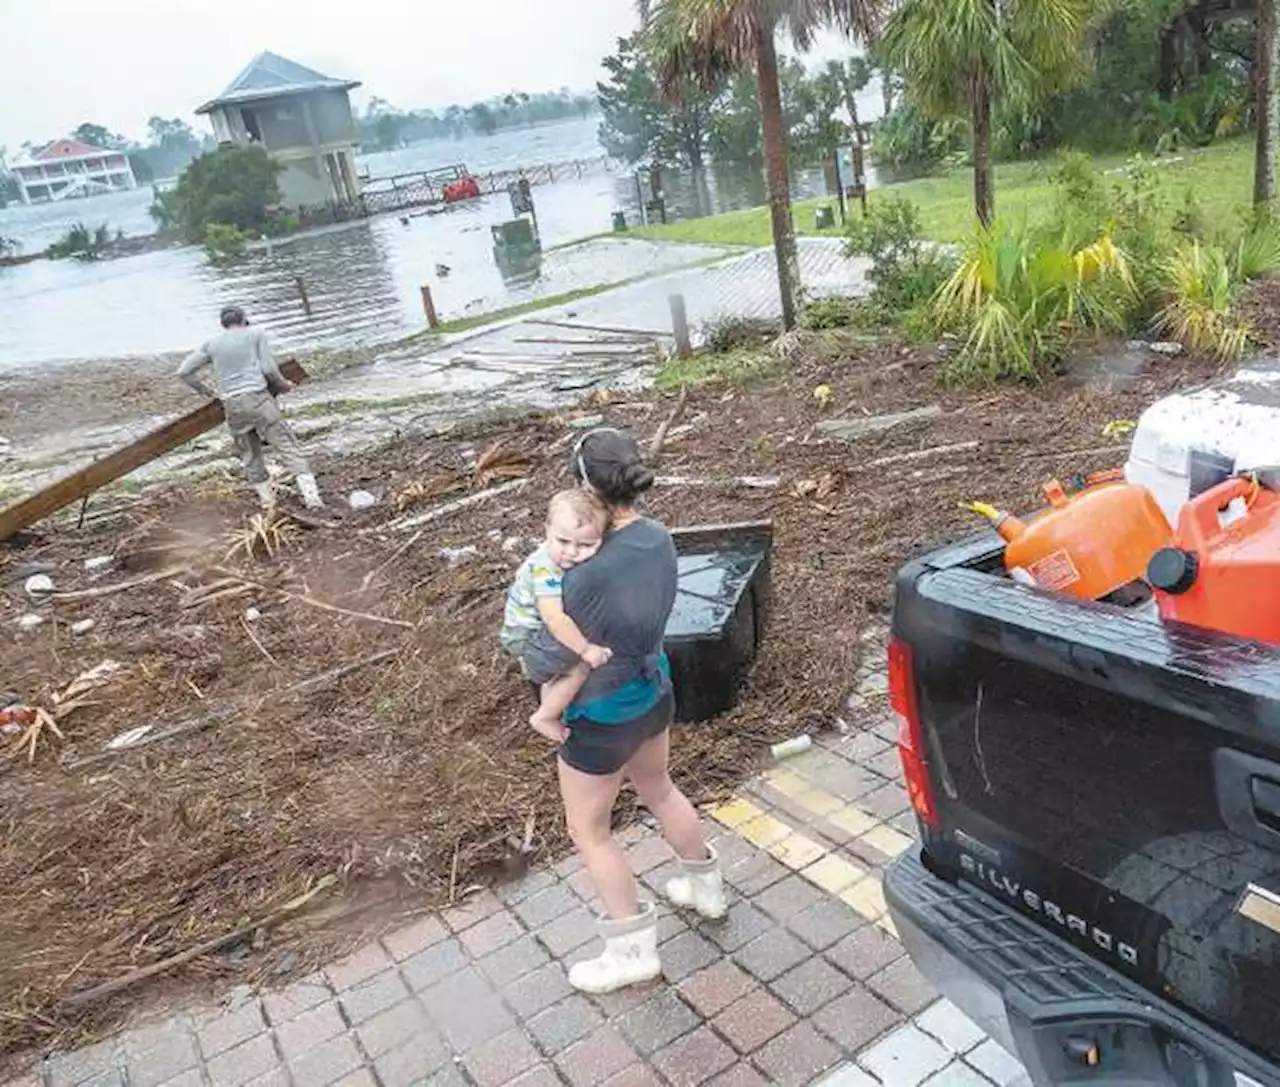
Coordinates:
[68,168]
[302,119]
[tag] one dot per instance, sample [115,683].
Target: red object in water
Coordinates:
[468,188]
[1224,578]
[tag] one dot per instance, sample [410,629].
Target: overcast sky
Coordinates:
[118,62]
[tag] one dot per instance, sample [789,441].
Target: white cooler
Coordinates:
[1187,442]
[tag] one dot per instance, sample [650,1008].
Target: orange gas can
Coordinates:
[1224,577]
[1087,544]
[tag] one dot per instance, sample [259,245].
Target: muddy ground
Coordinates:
[408,777]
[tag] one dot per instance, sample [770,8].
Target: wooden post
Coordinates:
[680,326]
[835,156]
[302,291]
[429,308]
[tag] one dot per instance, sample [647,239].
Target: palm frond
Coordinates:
[705,40]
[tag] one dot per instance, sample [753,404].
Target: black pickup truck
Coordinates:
[1098,883]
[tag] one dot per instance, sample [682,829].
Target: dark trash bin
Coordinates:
[717,624]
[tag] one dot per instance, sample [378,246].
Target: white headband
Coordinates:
[577,451]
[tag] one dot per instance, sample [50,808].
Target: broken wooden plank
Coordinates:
[121,462]
[922,454]
[849,429]
[579,326]
[750,483]
[450,508]
[241,932]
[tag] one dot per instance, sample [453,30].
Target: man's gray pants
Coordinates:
[253,418]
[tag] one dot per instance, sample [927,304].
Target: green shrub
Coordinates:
[835,312]
[1257,252]
[81,242]
[222,241]
[236,185]
[731,333]
[1199,291]
[905,270]
[910,141]
[1019,299]
[280,225]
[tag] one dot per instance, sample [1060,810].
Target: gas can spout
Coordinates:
[1009,527]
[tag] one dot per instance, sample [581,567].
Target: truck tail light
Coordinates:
[911,745]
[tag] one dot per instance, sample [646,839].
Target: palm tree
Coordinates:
[1264,168]
[847,79]
[707,39]
[961,56]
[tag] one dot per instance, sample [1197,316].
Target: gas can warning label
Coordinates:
[1054,571]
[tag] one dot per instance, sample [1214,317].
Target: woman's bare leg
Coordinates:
[648,771]
[588,808]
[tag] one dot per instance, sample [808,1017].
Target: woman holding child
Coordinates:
[586,616]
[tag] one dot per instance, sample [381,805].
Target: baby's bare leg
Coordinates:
[557,695]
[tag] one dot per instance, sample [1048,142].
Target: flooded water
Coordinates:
[363,279]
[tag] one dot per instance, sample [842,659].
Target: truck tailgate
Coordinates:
[1115,780]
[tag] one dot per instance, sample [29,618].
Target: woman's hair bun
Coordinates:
[609,461]
[637,477]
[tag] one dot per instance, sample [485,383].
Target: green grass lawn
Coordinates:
[1220,176]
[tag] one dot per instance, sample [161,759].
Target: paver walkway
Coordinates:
[803,983]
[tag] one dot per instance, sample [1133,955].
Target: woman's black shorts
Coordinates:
[606,749]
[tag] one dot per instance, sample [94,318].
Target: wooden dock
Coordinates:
[425,188]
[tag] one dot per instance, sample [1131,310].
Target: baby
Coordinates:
[576,521]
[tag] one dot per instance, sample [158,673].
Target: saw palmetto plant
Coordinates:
[1018,298]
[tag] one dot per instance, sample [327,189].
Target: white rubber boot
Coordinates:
[700,886]
[630,954]
[310,492]
[266,493]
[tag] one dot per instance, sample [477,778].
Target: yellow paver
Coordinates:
[889,841]
[736,812]
[851,820]
[819,801]
[886,924]
[787,782]
[867,898]
[765,831]
[796,851]
[833,874]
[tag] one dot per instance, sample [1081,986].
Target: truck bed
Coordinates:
[1113,780]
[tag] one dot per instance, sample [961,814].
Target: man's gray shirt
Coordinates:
[241,359]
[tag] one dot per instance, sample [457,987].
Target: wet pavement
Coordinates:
[545,360]
[805,981]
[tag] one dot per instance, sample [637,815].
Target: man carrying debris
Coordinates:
[248,383]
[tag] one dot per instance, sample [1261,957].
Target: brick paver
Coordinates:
[804,981]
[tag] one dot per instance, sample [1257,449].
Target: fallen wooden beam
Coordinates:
[922,454]
[450,508]
[206,947]
[121,462]
[851,429]
[751,483]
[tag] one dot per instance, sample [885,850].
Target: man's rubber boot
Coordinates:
[630,954]
[266,493]
[310,492]
[700,886]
